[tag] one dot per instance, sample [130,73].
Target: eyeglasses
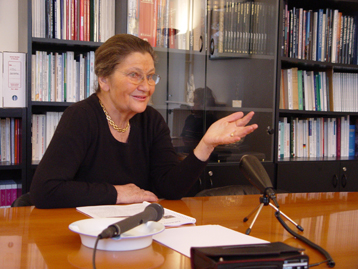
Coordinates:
[137,78]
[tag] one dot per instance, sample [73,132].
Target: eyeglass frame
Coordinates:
[141,77]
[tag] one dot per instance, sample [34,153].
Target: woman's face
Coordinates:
[128,96]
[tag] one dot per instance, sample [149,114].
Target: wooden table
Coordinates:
[35,238]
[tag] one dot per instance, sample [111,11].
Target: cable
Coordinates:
[330,262]
[94,252]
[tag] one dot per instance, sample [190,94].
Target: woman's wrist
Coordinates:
[203,151]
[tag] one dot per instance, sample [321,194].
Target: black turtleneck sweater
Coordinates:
[83,160]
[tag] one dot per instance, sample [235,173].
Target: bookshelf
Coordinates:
[9,170]
[317,159]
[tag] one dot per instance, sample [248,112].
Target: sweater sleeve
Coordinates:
[54,183]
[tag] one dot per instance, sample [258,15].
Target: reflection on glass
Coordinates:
[240,27]
[199,120]
[168,24]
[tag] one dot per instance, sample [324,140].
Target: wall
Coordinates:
[9,25]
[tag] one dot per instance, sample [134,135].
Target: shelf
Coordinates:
[230,56]
[293,62]
[316,159]
[9,166]
[11,112]
[42,103]
[53,44]
[283,112]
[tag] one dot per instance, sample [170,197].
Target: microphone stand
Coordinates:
[265,201]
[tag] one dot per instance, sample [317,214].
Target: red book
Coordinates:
[68,23]
[16,141]
[73,20]
[2,193]
[75,17]
[20,142]
[81,20]
[148,21]
[87,25]
[338,144]
[85,19]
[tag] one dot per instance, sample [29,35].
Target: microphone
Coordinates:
[152,212]
[254,171]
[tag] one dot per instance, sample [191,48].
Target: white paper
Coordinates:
[183,238]
[170,218]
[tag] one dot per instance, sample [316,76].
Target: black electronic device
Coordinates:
[275,255]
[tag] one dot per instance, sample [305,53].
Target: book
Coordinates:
[352,133]
[295,100]
[2,193]
[290,89]
[92,75]
[1,75]
[215,28]
[282,104]
[198,27]
[8,192]
[170,218]
[133,16]
[3,143]
[14,79]
[356,138]
[300,91]
[338,137]
[293,137]
[148,21]
[279,142]
[314,36]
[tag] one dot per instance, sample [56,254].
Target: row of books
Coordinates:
[43,128]
[9,191]
[84,20]
[318,91]
[12,79]
[177,24]
[10,140]
[62,77]
[318,137]
[240,27]
[324,35]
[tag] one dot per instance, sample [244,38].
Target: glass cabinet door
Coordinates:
[241,70]
[215,57]
[186,73]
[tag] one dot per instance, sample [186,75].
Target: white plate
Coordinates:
[136,238]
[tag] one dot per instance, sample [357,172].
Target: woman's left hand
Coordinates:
[224,131]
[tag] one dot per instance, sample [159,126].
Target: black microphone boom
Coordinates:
[254,171]
[152,212]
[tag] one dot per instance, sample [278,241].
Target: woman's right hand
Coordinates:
[130,193]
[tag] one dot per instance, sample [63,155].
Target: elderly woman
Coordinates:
[112,148]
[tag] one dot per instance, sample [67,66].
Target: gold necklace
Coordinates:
[111,122]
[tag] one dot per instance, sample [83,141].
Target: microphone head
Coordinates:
[156,210]
[254,171]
